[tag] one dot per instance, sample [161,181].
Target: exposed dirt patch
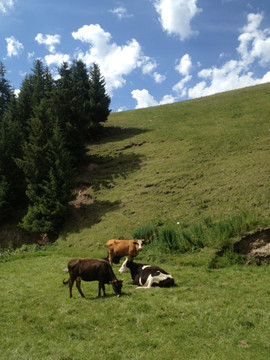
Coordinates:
[82,196]
[255,245]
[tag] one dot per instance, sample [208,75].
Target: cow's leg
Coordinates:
[70,284]
[78,284]
[101,286]
[111,255]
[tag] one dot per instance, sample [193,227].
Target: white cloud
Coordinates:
[180,86]
[115,61]
[14,47]
[184,65]
[167,99]
[121,13]
[143,98]
[254,43]
[6,5]
[57,59]
[49,41]
[158,77]
[176,16]
[30,56]
[254,48]
[148,65]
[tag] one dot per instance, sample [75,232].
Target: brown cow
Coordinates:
[91,270]
[119,248]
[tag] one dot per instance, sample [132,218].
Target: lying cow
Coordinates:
[146,275]
[91,270]
[119,248]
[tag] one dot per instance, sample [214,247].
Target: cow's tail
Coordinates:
[65,282]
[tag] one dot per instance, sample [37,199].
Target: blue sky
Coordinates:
[150,52]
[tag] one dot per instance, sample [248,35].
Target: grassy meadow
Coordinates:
[199,162]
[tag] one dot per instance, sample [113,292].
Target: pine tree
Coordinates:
[11,179]
[46,165]
[71,104]
[49,201]
[5,92]
[99,100]
[35,88]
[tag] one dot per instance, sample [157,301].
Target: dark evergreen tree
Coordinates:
[25,106]
[35,88]
[46,165]
[71,99]
[5,92]
[11,178]
[99,100]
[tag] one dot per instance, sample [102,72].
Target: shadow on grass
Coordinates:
[108,168]
[87,215]
[116,133]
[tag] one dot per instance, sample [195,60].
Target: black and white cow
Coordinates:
[146,276]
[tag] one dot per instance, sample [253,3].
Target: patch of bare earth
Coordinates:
[82,196]
[255,245]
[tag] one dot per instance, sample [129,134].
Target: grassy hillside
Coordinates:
[200,161]
[182,162]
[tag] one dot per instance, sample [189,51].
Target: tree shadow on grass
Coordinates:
[107,168]
[117,133]
[87,215]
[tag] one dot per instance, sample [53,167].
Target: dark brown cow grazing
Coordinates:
[92,270]
[119,248]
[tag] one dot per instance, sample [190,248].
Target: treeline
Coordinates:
[43,136]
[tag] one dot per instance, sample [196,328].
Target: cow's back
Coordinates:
[122,247]
[90,269]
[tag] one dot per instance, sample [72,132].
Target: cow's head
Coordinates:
[140,243]
[124,268]
[117,286]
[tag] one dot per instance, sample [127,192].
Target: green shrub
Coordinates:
[147,232]
[174,238]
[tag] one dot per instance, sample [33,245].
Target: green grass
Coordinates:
[211,314]
[203,164]
[181,162]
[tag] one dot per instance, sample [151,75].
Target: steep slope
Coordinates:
[183,162]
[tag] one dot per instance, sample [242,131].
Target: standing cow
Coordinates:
[119,248]
[147,276]
[92,270]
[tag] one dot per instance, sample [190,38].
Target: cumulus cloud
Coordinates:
[167,99]
[148,66]
[175,16]
[145,99]
[121,13]
[49,41]
[6,5]
[57,59]
[254,46]
[254,43]
[115,61]
[14,47]
[159,78]
[184,67]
